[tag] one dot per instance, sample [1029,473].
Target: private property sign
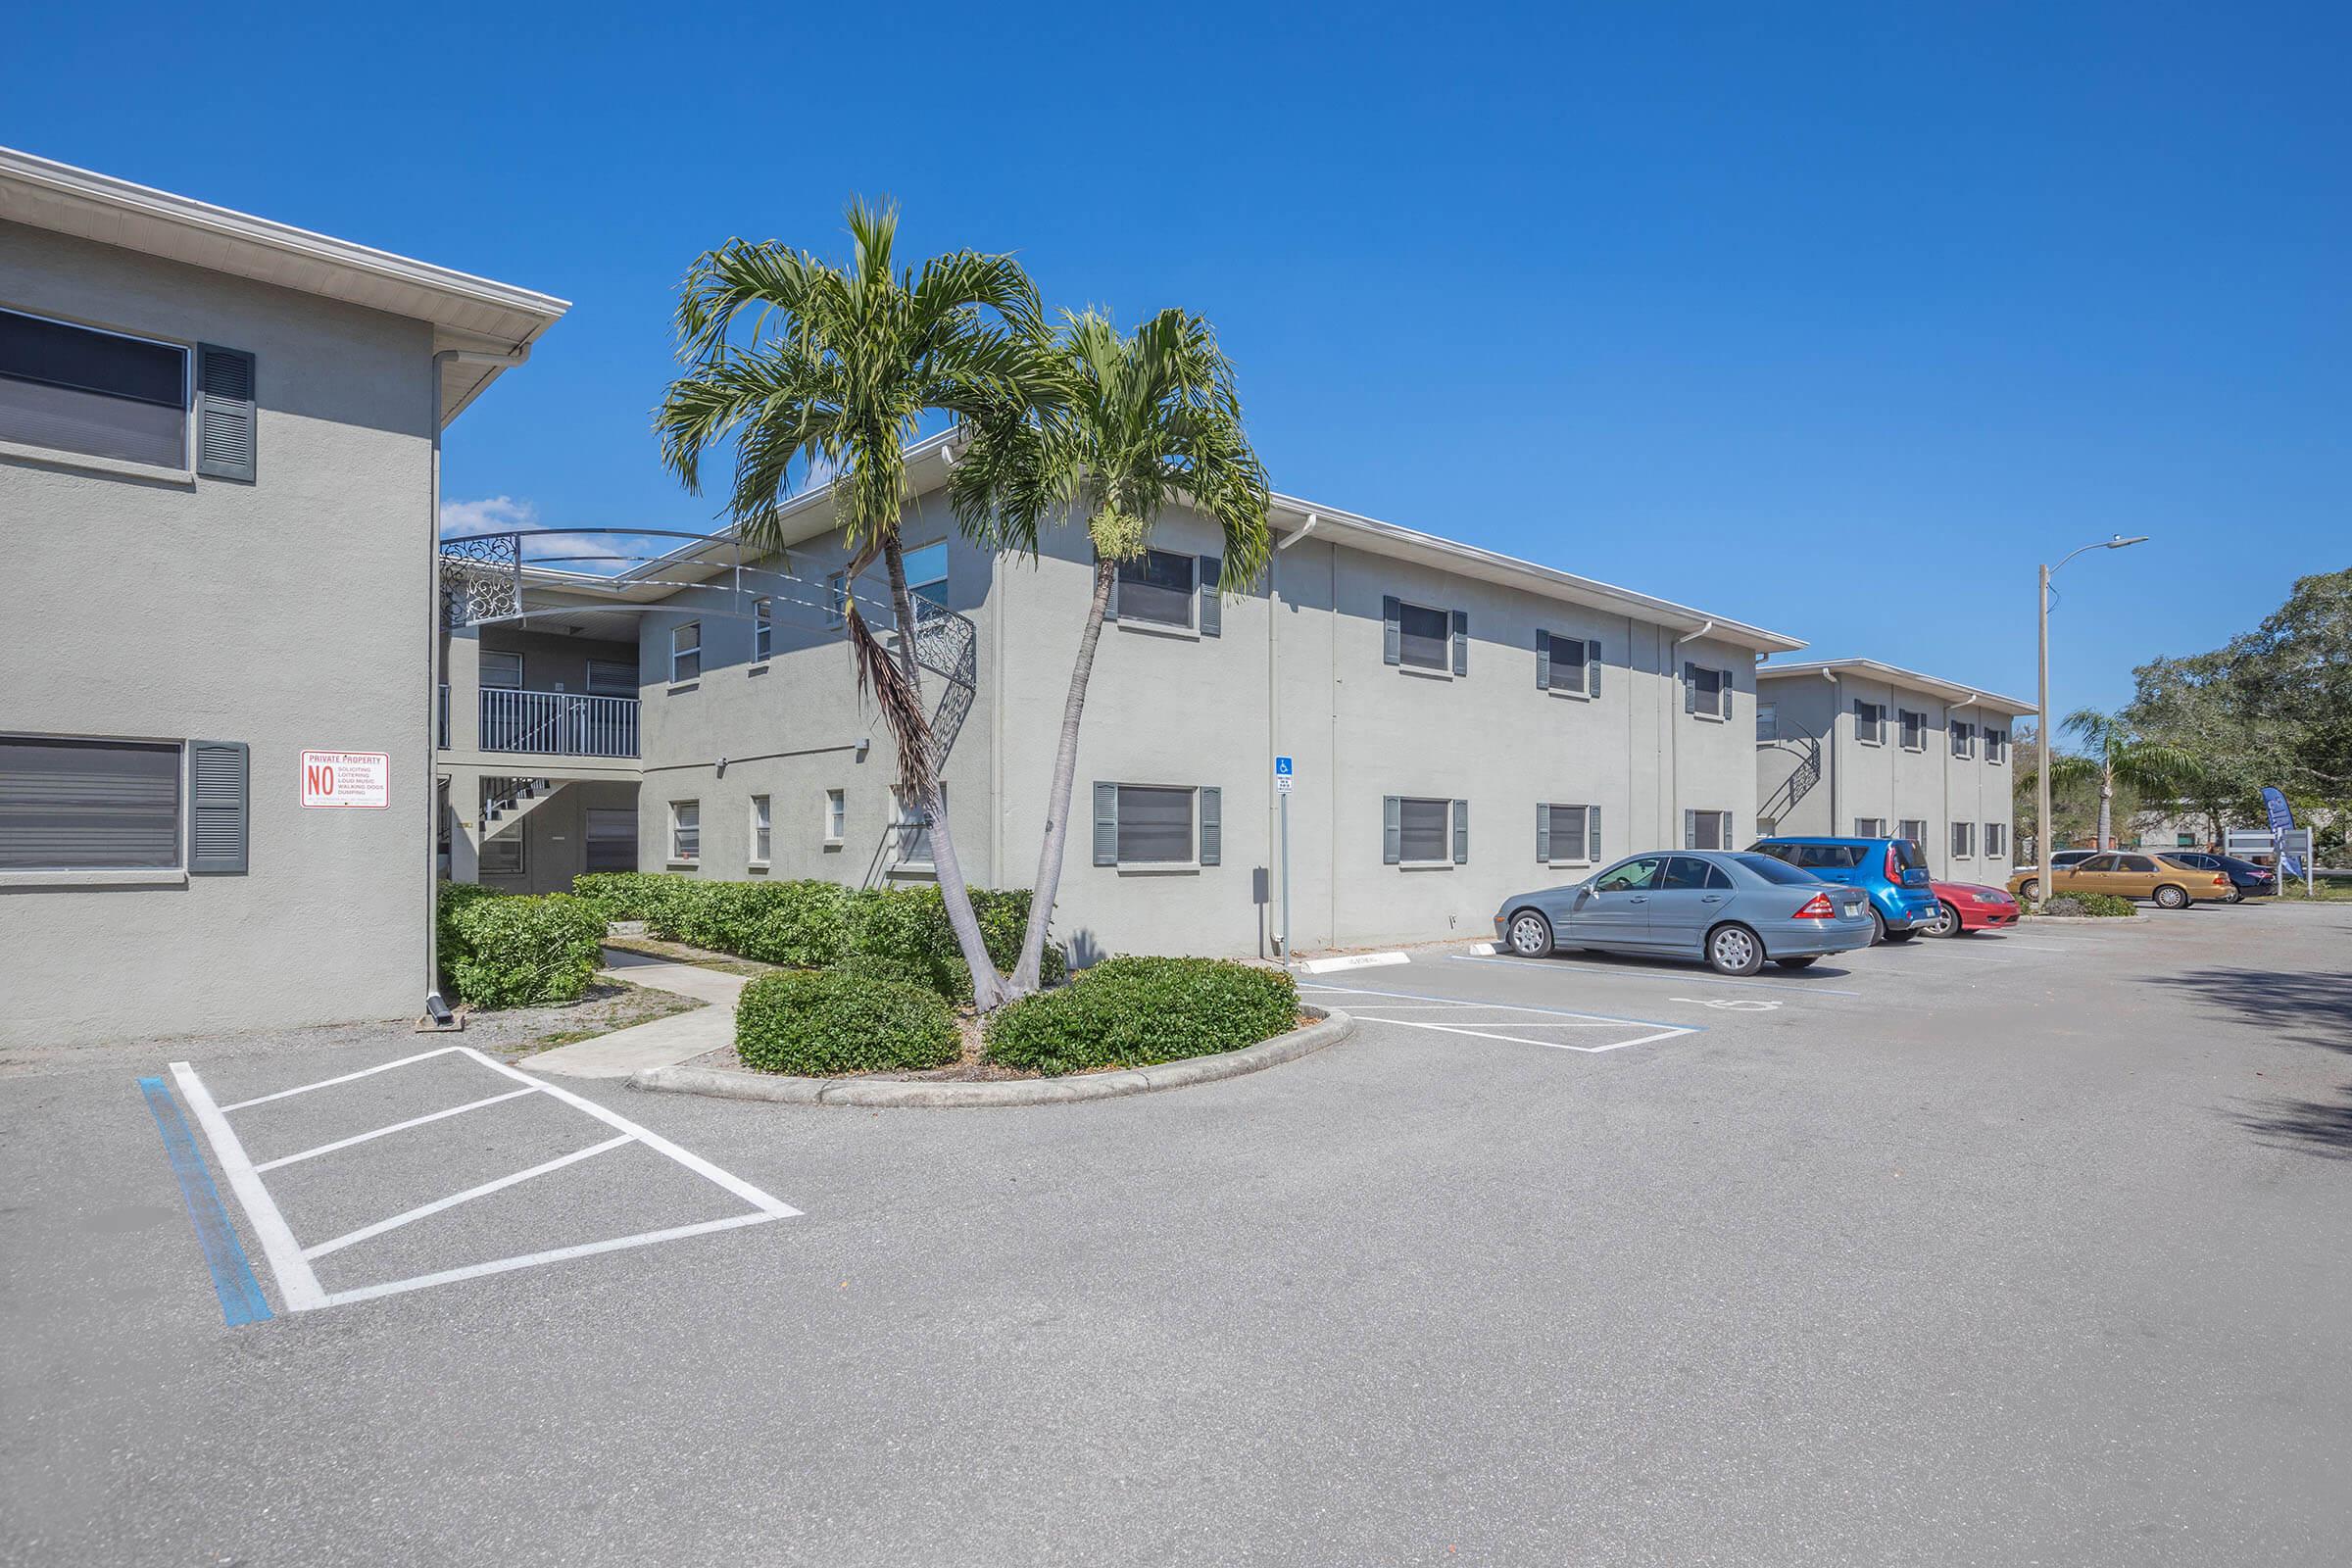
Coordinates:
[346,780]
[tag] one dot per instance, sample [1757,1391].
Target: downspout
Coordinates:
[1977,828]
[1836,714]
[1274,716]
[1673,779]
[435,1008]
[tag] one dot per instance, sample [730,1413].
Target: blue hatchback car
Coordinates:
[1891,872]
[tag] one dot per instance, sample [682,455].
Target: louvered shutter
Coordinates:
[217,808]
[1724,693]
[226,448]
[1542,661]
[1212,617]
[1542,832]
[1391,830]
[1592,834]
[1689,830]
[1212,827]
[1461,642]
[1461,832]
[1106,824]
[1592,668]
[1392,635]
[1725,842]
[1689,688]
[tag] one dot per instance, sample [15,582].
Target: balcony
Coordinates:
[557,723]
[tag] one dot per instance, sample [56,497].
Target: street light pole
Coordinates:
[2044,840]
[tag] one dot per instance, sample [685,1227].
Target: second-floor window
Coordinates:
[1707,692]
[99,394]
[763,629]
[1870,723]
[502,671]
[927,572]
[1964,738]
[1914,730]
[611,677]
[1425,637]
[686,651]
[1768,721]
[1567,665]
[1996,746]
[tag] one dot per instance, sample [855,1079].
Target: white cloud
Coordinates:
[487,516]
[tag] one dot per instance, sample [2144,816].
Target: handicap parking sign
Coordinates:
[1282,775]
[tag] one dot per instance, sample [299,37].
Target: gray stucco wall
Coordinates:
[288,614]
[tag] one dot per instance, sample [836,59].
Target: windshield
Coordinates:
[1772,870]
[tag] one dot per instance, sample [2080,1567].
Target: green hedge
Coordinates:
[2105,905]
[498,950]
[823,1023]
[815,925]
[1129,1013]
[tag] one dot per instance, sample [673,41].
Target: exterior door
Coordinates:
[1616,913]
[1685,902]
[611,839]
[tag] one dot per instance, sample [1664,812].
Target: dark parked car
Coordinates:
[2246,879]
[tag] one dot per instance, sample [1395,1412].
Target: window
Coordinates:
[759,829]
[1964,841]
[1687,873]
[2093,862]
[685,830]
[90,806]
[501,672]
[927,572]
[1172,827]
[837,812]
[2189,841]
[1914,828]
[1827,856]
[1774,870]
[1964,740]
[1569,665]
[1914,729]
[1707,692]
[611,677]
[611,839]
[1634,876]
[2138,863]
[1567,835]
[1156,589]
[1996,838]
[1870,723]
[1768,723]
[1422,637]
[910,826]
[100,394]
[686,651]
[1996,746]
[1767,826]
[837,597]
[1418,830]
[1707,830]
[1870,828]
[763,629]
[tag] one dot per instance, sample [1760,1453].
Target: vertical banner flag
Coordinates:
[2282,820]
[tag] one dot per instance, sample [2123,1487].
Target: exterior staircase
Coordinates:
[1801,778]
[513,799]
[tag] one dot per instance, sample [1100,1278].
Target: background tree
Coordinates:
[2116,758]
[1136,424]
[2074,802]
[833,372]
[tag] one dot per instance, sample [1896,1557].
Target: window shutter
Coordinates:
[1592,834]
[1689,688]
[1461,642]
[1542,832]
[1391,645]
[1106,824]
[1592,668]
[1725,692]
[1724,840]
[225,415]
[1212,827]
[1689,830]
[1542,661]
[1212,618]
[1392,840]
[217,814]
[1461,832]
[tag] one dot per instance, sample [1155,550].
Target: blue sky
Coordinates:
[1834,319]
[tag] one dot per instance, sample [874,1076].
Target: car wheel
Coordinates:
[1804,962]
[2234,896]
[1946,922]
[2169,896]
[1530,935]
[1902,936]
[1878,928]
[2028,893]
[1733,950]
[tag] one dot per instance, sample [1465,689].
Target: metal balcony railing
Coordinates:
[557,723]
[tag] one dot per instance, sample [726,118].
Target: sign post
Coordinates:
[1283,777]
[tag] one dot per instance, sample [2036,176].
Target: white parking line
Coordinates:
[290,1262]
[1681,977]
[1522,1040]
[1565,1019]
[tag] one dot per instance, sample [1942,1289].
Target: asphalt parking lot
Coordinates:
[2004,1249]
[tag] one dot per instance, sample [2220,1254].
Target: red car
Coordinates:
[1962,907]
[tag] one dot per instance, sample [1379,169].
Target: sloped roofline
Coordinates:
[1949,692]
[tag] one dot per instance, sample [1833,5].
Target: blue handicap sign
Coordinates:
[1281,768]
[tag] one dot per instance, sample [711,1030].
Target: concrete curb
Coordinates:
[2142,918]
[733,1083]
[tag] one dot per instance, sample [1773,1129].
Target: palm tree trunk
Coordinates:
[1026,974]
[988,987]
[2106,807]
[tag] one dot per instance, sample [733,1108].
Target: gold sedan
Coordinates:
[2172,884]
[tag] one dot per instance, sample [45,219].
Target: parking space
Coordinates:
[1511,1024]
[432,1169]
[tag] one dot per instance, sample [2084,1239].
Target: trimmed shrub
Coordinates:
[447,945]
[2097,906]
[513,952]
[823,1022]
[1130,1012]
[803,926]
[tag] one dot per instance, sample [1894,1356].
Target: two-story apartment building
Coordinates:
[1852,746]
[218,442]
[1460,724]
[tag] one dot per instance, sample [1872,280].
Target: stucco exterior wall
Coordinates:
[289,614]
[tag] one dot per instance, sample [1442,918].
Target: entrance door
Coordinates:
[611,839]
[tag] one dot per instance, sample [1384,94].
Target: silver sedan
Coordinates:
[1734,910]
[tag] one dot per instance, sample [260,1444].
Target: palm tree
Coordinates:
[2114,757]
[837,369]
[1137,422]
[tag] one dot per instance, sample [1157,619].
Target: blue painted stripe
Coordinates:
[241,1299]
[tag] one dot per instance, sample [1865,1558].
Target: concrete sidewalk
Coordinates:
[663,1043]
